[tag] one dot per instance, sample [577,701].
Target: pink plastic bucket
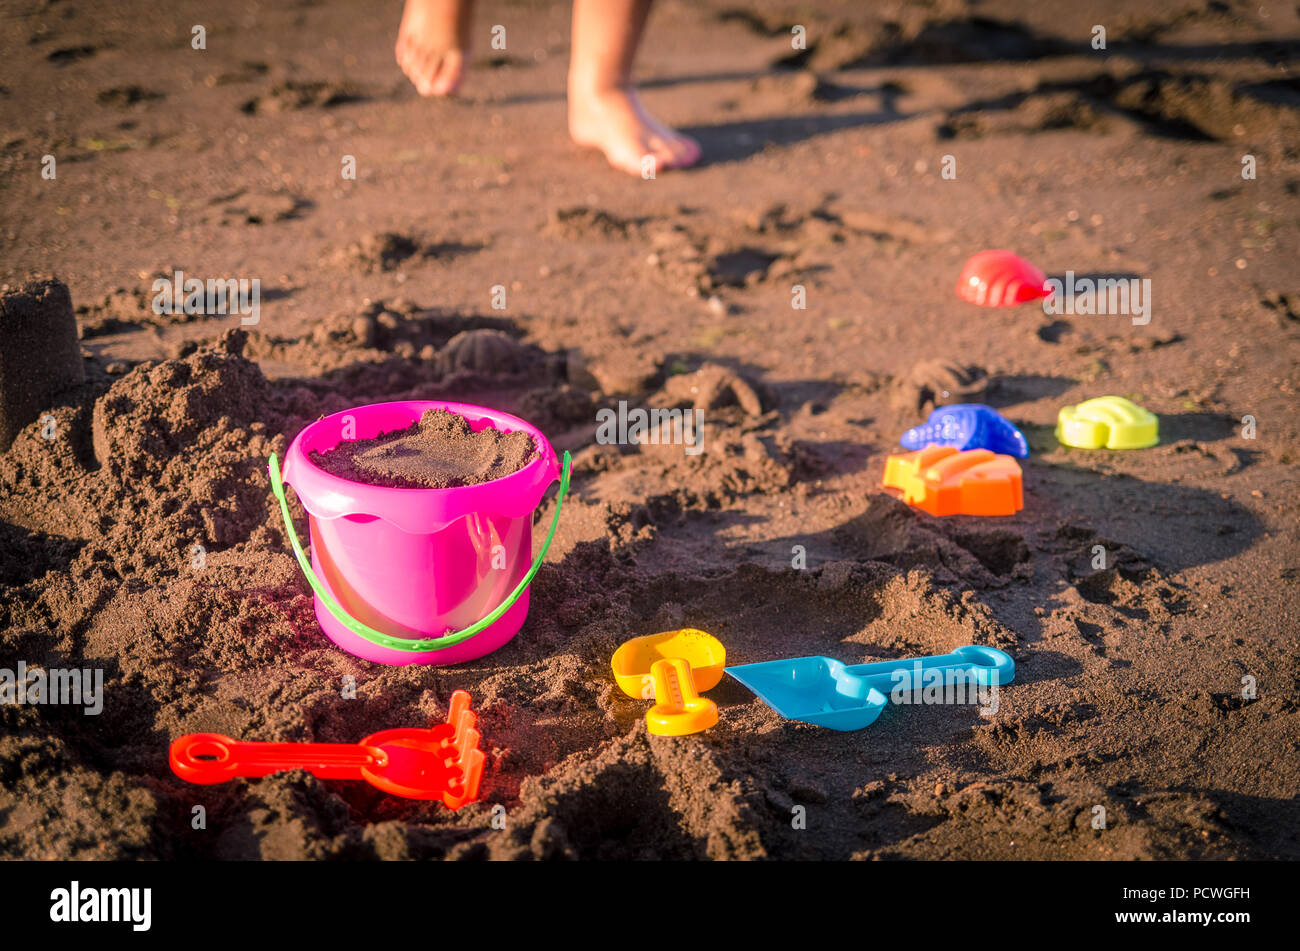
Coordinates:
[417,563]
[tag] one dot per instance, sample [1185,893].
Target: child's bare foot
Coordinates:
[604,110]
[433,44]
[614,121]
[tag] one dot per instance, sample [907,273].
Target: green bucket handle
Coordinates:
[405,643]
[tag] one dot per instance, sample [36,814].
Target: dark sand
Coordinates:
[824,171]
[438,451]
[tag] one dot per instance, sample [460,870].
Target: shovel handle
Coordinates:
[991,666]
[208,758]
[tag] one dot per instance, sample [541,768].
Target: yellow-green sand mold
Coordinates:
[1107,422]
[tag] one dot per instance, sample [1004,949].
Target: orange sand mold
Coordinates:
[943,481]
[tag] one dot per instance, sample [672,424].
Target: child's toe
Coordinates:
[664,153]
[686,151]
[423,69]
[450,70]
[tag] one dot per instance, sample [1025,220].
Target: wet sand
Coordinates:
[1142,594]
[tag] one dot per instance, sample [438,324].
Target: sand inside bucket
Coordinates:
[439,451]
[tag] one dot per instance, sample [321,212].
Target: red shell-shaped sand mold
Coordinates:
[1001,279]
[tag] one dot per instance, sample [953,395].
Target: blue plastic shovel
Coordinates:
[826,692]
